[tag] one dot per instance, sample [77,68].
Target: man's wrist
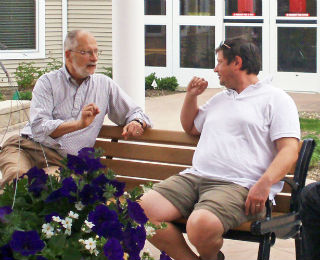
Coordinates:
[140,121]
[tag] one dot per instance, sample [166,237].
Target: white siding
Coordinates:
[94,16]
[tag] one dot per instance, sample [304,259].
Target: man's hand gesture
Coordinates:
[88,114]
[197,86]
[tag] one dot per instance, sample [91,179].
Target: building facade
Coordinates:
[180,38]
[180,35]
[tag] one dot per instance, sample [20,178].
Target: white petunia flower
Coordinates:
[73,215]
[79,205]
[46,227]
[89,224]
[49,234]
[68,232]
[81,241]
[56,219]
[90,244]
[67,223]
[150,231]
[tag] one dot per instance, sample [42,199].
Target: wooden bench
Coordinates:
[158,154]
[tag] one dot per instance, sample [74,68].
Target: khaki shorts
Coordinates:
[226,200]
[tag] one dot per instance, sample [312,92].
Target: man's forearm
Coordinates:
[188,112]
[282,163]
[65,128]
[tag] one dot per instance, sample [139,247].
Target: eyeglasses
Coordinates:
[226,45]
[89,53]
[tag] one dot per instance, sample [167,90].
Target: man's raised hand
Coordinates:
[197,86]
[88,114]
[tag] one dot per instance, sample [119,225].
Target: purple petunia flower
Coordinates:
[102,180]
[26,242]
[113,249]
[4,211]
[41,258]
[76,164]
[88,194]
[106,222]
[86,153]
[134,240]
[6,252]
[68,185]
[119,186]
[37,179]
[164,256]
[136,212]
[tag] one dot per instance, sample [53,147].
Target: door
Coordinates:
[287,32]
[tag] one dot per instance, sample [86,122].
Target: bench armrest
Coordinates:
[284,227]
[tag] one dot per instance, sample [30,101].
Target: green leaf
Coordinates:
[57,244]
[71,254]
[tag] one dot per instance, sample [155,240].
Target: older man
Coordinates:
[249,141]
[67,111]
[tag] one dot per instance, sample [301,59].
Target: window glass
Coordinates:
[197,45]
[297,49]
[244,7]
[155,45]
[197,7]
[17,24]
[155,7]
[297,8]
[250,33]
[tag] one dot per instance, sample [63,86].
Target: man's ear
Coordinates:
[238,62]
[67,54]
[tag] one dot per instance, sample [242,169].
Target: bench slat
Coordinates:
[146,153]
[132,183]
[152,136]
[145,170]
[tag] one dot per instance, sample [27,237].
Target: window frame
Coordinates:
[39,52]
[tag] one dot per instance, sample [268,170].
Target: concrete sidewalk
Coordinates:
[165,112]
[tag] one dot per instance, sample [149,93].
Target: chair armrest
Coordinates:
[294,185]
[284,227]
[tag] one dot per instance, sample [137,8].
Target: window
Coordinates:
[22,31]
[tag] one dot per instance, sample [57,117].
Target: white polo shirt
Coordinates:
[238,133]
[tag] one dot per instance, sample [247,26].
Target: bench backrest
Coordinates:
[156,155]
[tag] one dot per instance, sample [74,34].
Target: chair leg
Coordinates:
[264,247]
[300,245]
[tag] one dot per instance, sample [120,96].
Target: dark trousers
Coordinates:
[310,217]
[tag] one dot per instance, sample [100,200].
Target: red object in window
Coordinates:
[297,6]
[245,6]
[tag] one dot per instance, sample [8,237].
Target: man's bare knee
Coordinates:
[203,227]
[158,208]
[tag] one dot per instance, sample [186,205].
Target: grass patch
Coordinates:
[310,125]
[311,129]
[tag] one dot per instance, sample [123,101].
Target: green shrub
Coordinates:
[107,72]
[27,95]
[1,96]
[168,83]
[27,73]
[149,79]
[52,65]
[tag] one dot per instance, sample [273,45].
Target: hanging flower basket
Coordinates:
[77,214]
